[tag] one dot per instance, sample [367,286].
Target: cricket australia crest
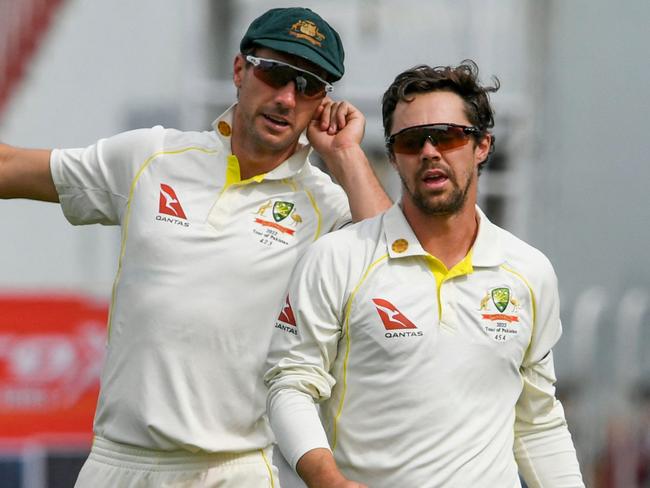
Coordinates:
[500,313]
[278,231]
[281,210]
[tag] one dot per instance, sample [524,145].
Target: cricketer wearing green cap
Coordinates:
[301,32]
[212,223]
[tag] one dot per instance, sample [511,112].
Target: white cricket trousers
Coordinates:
[112,465]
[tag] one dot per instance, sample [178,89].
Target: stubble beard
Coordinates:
[433,204]
[260,139]
[269,141]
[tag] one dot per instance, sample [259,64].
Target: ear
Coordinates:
[482,149]
[239,65]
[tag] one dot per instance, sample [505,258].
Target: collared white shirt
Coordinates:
[427,377]
[205,259]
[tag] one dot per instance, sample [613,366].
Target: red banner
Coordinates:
[281,228]
[51,355]
[500,316]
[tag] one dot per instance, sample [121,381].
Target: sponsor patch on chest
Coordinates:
[394,321]
[169,207]
[286,321]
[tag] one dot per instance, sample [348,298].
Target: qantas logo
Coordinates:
[169,204]
[286,315]
[394,320]
[287,318]
[390,316]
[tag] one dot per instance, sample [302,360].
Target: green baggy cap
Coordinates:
[300,32]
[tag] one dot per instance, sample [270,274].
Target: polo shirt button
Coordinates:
[400,245]
[224,128]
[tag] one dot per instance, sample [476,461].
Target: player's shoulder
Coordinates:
[174,139]
[157,139]
[354,238]
[312,177]
[344,254]
[525,258]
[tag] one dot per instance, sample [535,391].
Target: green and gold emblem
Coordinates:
[281,210]
[501,298]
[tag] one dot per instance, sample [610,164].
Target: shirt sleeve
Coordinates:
[302,355]
[543,446]
[93,183]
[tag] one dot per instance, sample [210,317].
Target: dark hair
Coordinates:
[461,80]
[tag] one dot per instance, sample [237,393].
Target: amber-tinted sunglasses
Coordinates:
[443,136]
[277,74]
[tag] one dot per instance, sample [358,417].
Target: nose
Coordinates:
[286,96]
[429,150]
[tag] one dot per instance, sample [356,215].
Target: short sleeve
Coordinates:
[94,183]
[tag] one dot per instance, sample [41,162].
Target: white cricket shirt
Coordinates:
[428,377]
[205,260]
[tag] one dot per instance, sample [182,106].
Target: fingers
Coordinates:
[334,116]
[319,110]
[326,114]
[338,116]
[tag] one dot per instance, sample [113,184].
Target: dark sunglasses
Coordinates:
[277,74]
[443,136]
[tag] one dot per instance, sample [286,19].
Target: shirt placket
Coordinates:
[447,298]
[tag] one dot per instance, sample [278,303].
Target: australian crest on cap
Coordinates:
[307,30]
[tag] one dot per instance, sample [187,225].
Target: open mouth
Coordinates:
[434,176]
[276,120]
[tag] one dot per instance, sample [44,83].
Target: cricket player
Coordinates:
[212,224]
[425,333]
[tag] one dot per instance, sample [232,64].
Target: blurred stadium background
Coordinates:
[570,175]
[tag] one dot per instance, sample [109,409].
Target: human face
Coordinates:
[437,182]
[270,120]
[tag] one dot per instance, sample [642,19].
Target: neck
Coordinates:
[447,237]
[255,156]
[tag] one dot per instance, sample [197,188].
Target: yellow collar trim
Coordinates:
[233,173]
[441,272]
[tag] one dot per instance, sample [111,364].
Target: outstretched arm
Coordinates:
[25,173]
[336,133]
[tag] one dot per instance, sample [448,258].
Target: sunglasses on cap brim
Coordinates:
[444,137]
[277,74]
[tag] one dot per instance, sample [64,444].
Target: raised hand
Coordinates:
[335,126]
